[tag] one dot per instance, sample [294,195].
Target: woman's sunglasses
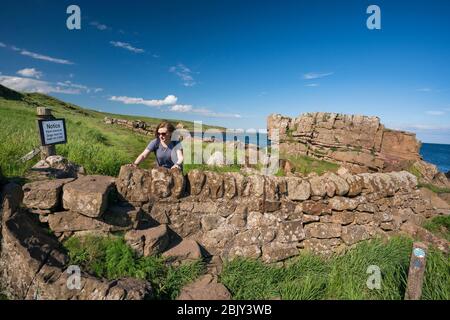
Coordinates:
[162,133]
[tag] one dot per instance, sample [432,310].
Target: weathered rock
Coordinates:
[88,195]
[318,186]
[343,218]
[130,289]
[124,217]
[196,180]
[291,231]
[424,235]
[342,203]
[162,182]
[316,208]
[44,195]
[252,251]
[298,189]
[438,204]
[323,230]
[134,184]
[55,167]
[205,288]
[69,221]
[148,242]
[186,251]
[179,183]
[353,234]
[11,196]
[324,247]
[214,186]
[275,251]
[342,187]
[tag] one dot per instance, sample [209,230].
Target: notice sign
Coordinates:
[52,131]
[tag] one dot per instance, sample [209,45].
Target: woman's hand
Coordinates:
[175,166]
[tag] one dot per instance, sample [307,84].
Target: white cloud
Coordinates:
[126,46]
[425,90]
[312,85]
[43,57]
[99,26]
[2,45]
[184,73]
[316,75]
[30,73]
[181,108]
[435,112]
[169,100]
[32,85]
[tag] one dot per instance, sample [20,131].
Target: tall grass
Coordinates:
[112,258]
[340,277]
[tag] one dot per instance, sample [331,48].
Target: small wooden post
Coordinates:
[46,114]
[416,271]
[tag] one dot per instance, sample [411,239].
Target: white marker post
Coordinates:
[416,271]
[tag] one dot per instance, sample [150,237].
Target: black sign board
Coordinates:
[52,131]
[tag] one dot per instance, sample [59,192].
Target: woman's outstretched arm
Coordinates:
[180,159]
[141,157]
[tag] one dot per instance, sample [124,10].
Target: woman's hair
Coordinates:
[164,124]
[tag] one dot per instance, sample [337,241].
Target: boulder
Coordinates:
[149,241]
[276,251]
[70,221]
[324,247]
[186,251]
[134,184]
[196,180]
[353,234]
[318,186]
[88,195]
[11,196]
[214,186]
[161,183]
[439,205]
[205,288]
[44,195]
[124,216]
[323,230]
[55,167]
[298,189]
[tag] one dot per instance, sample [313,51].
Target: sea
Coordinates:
[437,154]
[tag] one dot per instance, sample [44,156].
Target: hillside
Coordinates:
[99,147]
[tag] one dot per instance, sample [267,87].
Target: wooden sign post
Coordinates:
[416,271]
[52,131]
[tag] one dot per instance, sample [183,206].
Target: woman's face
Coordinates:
[164,134]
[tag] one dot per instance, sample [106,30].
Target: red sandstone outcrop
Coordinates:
[361,143]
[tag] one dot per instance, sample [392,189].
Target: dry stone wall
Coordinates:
[272,218]
[359,142]
[186,218]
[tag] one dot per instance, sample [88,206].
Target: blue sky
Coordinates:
[232,63]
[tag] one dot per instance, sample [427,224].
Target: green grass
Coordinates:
[306,165]
[100,148]
[434,188]
[440,226]
[338,277]
[112,258]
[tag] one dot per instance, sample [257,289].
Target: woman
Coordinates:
[169,154]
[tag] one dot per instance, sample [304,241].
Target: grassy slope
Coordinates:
[99,147]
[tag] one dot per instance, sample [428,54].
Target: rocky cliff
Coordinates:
[360,143]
